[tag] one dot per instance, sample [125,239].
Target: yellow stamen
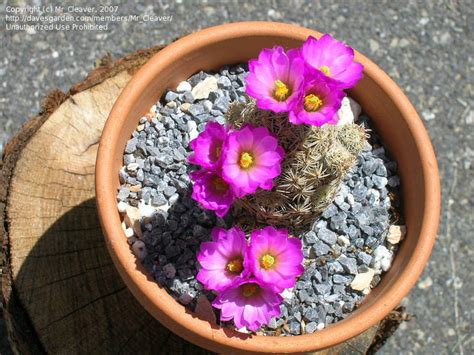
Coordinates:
[235,266]
[218,151]
[312,103]
[281,92]
[246,160]
[249,289]
[325,69]
[267,261]
[219,184]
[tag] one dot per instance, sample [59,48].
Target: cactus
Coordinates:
[316,161]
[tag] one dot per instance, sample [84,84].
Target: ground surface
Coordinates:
[426,46]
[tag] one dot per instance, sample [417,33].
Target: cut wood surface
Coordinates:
[61,291]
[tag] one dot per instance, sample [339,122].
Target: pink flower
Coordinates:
[249,303]
[334,59]
[274,258]
[318,104]
[275,78]
[222,259]
[252,159]
[207,146]
[212,192]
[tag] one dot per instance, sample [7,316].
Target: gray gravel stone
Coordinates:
[341,279]
[321,248]
[327,236]
[349,264]
[131,145]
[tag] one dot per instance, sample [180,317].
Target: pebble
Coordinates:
[185,107]
[197,109]
[379,181]
[192,129]
[183,87]
[139,249]
[224,82]
[341,279]
[396,234]
[343,241]
[362,281]
[204,88]
[321,248]
[382,258]
[131,145]
[311,327]
[146,211]
[169,271]
[122,206]
[349,264]
[393,181]
[365,258]
[129,232]
[327,236]
[171,96]
[132,219]
[295,327]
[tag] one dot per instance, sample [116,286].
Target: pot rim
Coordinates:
[170,313]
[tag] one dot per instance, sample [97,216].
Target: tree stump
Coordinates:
[61,292]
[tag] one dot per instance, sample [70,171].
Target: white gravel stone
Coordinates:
[192,129]
[122,206]
[362,281]
[185,107]
[204,88]
[349,111]
[320,326]
[129,232]
[132,167]
[343,240]
[139,249]
[288,293]
[164,207]
[183,87]
[382,258]
[146,211]
[132,219]
[386,263]
[396,233]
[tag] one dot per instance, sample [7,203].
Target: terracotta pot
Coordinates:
[395,119]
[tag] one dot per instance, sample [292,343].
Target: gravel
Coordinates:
[349,239]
